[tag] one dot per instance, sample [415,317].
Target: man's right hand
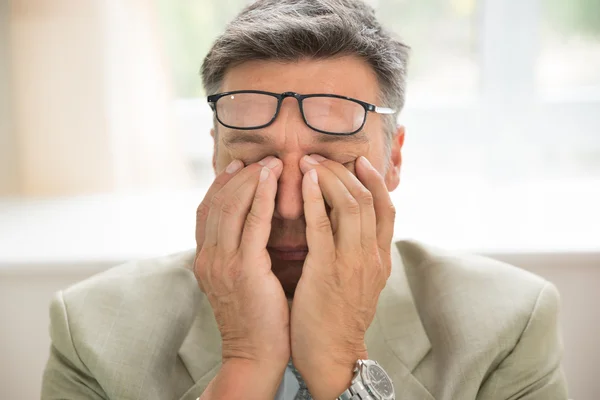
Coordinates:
[233,268]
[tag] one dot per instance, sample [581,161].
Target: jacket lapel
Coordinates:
[201,349]
[396,339]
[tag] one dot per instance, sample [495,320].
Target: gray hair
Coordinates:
[290,30]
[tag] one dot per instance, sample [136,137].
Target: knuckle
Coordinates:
[388,271]
[253,219]
[352,206]
[198,273]
[391,209]
[384,272]
[383,263]
[322,224]
[202,211]
[200,266]
[217,200]
[365,197]
[231,206]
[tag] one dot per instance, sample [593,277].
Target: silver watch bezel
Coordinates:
[361,369]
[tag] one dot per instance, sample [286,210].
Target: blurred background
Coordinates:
[105,149]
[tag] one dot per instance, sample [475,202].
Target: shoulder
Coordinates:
[473,302]
[434,262]
[135,283]
[130,319]
[459,276]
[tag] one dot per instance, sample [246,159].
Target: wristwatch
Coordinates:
[370,382]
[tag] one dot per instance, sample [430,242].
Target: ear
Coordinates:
[214,156]
[392,176]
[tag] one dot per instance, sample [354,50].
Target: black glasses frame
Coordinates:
[213,99]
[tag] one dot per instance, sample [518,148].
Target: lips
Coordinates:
[289,253]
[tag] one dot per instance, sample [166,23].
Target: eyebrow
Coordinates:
[247,137]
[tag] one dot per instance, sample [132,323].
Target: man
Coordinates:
[295,288]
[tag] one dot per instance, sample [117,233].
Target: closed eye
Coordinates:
[347,164]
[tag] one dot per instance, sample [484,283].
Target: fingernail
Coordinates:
[318,157]
[264,174]
[273,163]
[311,160]
[265,161]
[234,166]
[314,176]
[365,162]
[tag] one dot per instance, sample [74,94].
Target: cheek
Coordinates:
[351,166]
[378,159]
[222,160]
[226,156]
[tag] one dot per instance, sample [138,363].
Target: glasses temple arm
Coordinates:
[384,110]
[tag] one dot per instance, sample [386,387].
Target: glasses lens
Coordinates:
[246,110]
[333,115]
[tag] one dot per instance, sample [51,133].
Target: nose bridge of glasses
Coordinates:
[295,95]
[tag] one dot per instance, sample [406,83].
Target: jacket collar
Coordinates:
[396,338]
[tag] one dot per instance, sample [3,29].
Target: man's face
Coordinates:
[289,139]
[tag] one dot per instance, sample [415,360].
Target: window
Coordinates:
[569,57]
[502,115]
[439,32]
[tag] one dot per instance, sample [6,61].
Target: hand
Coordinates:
[233,267]
[347,266]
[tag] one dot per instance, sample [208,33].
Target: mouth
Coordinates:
[289,253]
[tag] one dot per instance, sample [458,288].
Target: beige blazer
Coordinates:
[447,326]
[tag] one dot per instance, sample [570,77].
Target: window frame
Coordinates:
[506,89]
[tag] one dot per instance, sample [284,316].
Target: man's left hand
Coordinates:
[347,266]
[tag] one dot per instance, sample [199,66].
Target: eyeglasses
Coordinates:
[325,113]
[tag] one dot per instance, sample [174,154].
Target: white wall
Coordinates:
[24,320]
[25,293]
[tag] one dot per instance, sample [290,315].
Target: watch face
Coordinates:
[380,382]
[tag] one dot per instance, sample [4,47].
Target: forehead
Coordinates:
[346,75]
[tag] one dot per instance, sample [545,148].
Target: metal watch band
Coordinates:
[356,392]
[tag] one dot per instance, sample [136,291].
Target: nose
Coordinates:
[288,203]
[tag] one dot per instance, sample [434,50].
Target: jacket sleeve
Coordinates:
[532,370]
[65,376]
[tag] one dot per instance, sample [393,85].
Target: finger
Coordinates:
[257,225]
[368,220]
[203,209]
[230,207]
[233,203]
[385,211]
[213,236]
[223,200]
[345,210]
[319,233]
